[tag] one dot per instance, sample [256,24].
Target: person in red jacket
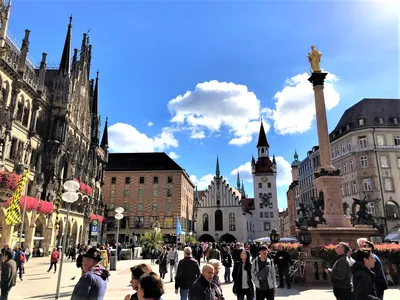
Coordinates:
[54,258]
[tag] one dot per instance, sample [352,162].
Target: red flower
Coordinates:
[9,180]
[96,217]
[31,203]
[46,207]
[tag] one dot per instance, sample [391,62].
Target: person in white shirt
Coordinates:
[173,258]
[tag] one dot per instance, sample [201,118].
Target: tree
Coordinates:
[152,239]
[190,240]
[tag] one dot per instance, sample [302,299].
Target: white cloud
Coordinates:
[150,124]
[244,172]
[213,105]
[284,177]
[197,135]
[173,155]
[126,138]
[203,182]
[294,107]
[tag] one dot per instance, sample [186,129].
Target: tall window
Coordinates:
[218,220]
[337,150]
[362,141]
[364,161]
[384,161]
[396,140]
[380,140]
[344,148]
[205,222]
[345,167]
[351,165]
[388,183]
[367,184]
[349,145]
[354,187]
[347,188]
[398,161]
[232,222]
[371,208]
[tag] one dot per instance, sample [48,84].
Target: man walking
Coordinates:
[341,274]
[8,273]
[186,274]
[173,258]
[202,288]
[263,275]
[20,259]
[197,252]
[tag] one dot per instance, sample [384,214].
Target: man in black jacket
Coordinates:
[283,261]
[341,274]
[202,288]
[8,273]
[197,252]
[186,274]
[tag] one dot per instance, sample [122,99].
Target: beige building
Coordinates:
[49,125]
[365,146]
[153,190]
[284,226]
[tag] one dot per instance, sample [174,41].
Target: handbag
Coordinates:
[157,261]
[263,274]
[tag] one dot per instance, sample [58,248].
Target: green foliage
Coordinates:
[152,239]
[190,239]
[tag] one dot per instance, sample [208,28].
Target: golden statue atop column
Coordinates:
[314,57]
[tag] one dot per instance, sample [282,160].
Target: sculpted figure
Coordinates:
[314,57]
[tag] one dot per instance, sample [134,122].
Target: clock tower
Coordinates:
[266,215]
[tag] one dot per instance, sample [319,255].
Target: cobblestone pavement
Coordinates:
[38,284]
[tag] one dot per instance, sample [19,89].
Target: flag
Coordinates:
[58,206]
[13,213]
[178,227]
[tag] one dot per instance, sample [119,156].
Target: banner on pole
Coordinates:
[13,213]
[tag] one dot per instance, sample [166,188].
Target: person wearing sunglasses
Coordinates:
[136,273]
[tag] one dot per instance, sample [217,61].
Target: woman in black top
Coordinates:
[162,262]
[243,285]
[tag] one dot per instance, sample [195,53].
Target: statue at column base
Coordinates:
[324,172]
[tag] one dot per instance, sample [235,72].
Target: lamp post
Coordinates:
[70,196]
[274,236]
[118,216]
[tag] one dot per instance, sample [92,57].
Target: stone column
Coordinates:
[317,79]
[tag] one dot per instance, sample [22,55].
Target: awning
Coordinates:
[393,237]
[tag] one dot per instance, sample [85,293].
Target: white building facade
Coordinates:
[220,214]
[266,213]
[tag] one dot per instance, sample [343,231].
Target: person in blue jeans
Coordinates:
[186,274]
[227,263]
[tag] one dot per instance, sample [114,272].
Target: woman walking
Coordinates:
[54,258]
[227,263]
[162,262]
[243,285]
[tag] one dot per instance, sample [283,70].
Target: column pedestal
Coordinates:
[330,186]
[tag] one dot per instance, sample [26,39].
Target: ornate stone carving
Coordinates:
[314,57]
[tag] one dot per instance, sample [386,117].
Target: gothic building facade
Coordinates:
[266,212]
[49,125]
[220,212]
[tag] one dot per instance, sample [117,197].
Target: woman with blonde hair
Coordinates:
[104,262]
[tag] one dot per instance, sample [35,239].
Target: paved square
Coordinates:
[38,284]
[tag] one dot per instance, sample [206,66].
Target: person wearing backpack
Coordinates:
[20,259]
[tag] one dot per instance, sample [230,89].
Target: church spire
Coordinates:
[217,173]
[65,58]
[262,137]
[196,194]
[95,102]
[238,181]
[104,139]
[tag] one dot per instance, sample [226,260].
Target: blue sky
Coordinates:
[194,78]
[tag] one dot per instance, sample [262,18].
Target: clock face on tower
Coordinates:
[266,200]
[264,179]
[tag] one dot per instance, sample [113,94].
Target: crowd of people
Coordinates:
[253,271]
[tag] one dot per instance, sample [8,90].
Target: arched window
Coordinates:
[20,109]
[232,222]
[205,222]
[392,210]
[218,220]
[25,118]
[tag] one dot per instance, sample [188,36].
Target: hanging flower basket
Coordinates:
[31,203]
[84,188]
[9,181]
[96,217]
[45,207]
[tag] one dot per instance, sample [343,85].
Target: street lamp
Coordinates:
[274,236]
[70,196]
[118,216]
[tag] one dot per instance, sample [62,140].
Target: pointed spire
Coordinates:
[273,160]
[104,139]
[238,181]
[262,137]
[296,156]
[64,64]
[217,173]
[95,102]
[196,195]
[253,161]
